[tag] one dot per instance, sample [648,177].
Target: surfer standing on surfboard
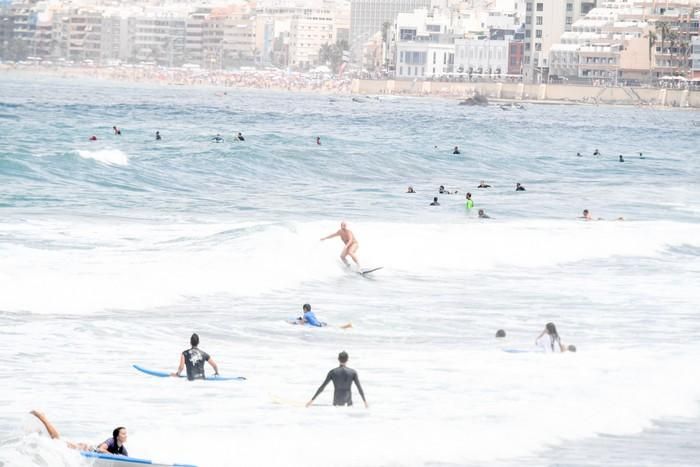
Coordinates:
[350,241]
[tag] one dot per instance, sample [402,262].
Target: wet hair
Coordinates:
[552,331]
[194,340]
[571,348]
[115,432]
[306,307]
[435,199]
[343,357]
[585,211]
[469,195]
[481,212]
[500,333]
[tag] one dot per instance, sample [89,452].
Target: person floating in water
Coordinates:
[239,137]
[501,333]
[435,202]
[113,445]
[342,378]
[218,138]
[586,215]
[410,189]
[456,150]
[117,131]
[621,158]
[549,340]
[578,154]
[596,152]
[483,215]
[194,359]
[318,140]
[483,184]
[519,187]
[93,138]
[309,317]
[158,138]
[350,241]
[443,191]
[641,156]
[470,201]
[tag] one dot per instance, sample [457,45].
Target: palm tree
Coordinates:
[652,46]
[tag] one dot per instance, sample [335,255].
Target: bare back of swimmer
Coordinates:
[350,241]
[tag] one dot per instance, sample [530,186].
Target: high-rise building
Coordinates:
[367,17]
[545,22]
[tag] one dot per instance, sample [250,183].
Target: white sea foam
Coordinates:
[137,266]
[106,156]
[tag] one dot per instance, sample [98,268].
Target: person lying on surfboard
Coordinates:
[113,445]
[194,359]
[350,241]
[310,318]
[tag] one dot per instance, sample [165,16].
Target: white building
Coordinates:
[481,56]
[545,22]
[424,45]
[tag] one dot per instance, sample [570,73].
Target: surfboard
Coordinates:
[164,374]
[366,271]
[110,460]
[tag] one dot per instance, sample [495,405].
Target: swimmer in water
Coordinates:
[586,215]
[93,138]
[519,187]
[117,131]
[410,189]
[113,445]
[549,340]
[456,150]
[240,137]
[158,138]
[435,202]
[342,378]
[621,158]
[217,138]
[641,156]
[578,154]
[350,242]
[483,215]
[318,140]
[470,201]
[483,184]
[596,152]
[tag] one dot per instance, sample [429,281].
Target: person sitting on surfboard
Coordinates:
[194,359]
[350,241]
[113,445]
[342,378]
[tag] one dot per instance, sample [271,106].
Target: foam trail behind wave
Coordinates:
[106,156]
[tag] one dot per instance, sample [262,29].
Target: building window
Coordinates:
[527,33]
[540,7]
[569,7]
[568,20]
[528,19]
[528,7]
[400,70]
[409,70]
[527,46]
[538,33]
[538,20]
[538,47]
[434,58]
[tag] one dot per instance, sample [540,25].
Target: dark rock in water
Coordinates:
[477,99]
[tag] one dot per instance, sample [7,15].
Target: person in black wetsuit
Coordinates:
[342,378]
[194,359]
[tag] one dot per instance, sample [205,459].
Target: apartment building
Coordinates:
[695,58]
[481,57]
[367,17]
[424,45]
[310,29]
[545,22]
[157,35]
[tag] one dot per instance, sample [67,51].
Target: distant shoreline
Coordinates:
[277,80]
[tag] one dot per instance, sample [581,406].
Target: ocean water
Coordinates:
[113,252]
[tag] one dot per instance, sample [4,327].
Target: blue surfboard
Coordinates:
[111,460]
[164,374]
